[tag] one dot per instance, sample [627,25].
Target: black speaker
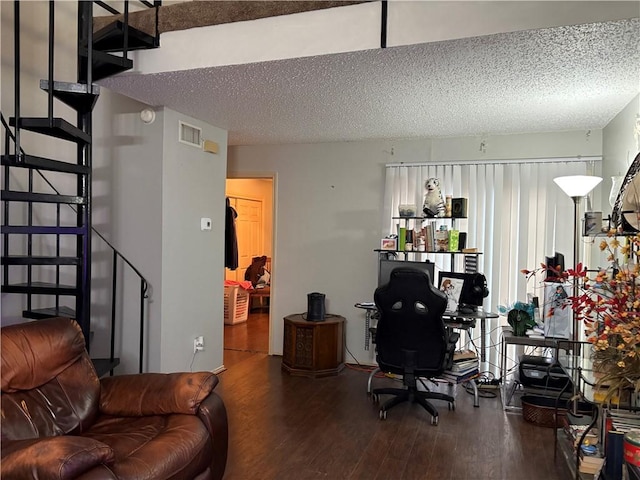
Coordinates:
[315,307]
[459,207]
[462,241]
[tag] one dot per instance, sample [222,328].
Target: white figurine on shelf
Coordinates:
[433,205]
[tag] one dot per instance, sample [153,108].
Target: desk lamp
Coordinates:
[576,187]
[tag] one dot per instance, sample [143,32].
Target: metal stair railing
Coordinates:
[58,127]
[144,283]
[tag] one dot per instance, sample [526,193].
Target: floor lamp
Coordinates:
[576,187]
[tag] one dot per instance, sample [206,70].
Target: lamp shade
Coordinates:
[577,185]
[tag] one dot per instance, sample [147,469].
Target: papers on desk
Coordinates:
[535,332]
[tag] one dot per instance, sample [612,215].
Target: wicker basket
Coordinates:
[542,411]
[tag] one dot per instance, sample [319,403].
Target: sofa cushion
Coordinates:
[49,385]
[53,458]
[162,446]
[34,353]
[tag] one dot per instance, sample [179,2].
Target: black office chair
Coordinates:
[411,338]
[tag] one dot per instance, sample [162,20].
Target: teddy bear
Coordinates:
[433,204]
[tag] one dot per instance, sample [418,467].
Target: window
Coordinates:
[516,215]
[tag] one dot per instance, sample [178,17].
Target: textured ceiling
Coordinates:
[566,78]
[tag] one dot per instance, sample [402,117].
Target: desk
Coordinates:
[450,320]
[371,313]
[463,321]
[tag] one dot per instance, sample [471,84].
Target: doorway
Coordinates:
[252,198]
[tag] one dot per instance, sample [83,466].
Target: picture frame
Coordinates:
[556,311]
[390,244]
[452,287]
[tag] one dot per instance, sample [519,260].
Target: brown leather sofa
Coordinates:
[60,421]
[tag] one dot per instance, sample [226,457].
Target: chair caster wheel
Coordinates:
[452,406]
[383,414]
[375,398]
[434,421]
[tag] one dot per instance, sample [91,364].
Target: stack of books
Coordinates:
[465,367]
[591,460]
[617,423]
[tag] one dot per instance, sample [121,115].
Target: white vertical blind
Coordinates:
[517,215]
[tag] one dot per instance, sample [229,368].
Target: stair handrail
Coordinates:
[145,286]
[125,259]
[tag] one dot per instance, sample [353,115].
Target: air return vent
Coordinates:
[190,135]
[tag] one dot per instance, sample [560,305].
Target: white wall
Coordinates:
[127,210]
[328,205]
[621,141]
[193,186]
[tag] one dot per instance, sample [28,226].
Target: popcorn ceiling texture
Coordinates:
[565,78]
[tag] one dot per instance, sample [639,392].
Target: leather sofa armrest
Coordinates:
[53,458]
[155,393]
[213,414]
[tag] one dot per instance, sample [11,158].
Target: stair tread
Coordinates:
[43,230]
[104,64]
[51,312]
[39,260]
[16,196]
[43,288]
[58,128]
[110,38]
[32,161]
[76,95]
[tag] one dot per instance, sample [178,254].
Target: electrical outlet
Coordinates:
[198,344]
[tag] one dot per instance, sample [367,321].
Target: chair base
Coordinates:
[412,395]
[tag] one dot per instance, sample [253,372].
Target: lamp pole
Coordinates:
[576,257]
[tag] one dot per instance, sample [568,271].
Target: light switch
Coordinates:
[205,224]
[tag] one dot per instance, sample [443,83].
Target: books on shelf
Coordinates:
[576,431]
[591,465]
[623,421]
[617,424]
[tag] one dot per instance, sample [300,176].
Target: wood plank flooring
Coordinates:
[284,427]
[252,335]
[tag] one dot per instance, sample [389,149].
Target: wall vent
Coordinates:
[189,134]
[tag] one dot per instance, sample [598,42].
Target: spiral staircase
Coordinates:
[46,259]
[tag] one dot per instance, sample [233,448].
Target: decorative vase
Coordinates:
[616,183]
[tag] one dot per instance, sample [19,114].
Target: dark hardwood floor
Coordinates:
[245,339]
[284,427]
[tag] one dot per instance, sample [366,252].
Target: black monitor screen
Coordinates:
[554,263]
[387,266]
[460,289]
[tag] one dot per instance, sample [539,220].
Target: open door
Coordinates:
[252,198]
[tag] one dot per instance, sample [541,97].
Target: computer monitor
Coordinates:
[463,290]
[555,262]
[387,266]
